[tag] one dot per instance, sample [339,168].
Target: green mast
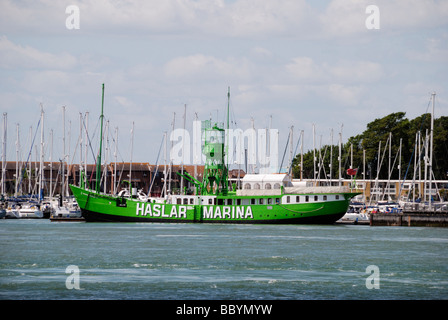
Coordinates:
[228,127]
[98,162]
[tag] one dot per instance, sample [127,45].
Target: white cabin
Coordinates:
[266,181]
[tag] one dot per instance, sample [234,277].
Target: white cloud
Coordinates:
[413,13]
[300,61]
[25,17]
[13,56]
[126,105]
[252,17]
[219,17]
[307,70]
[356,71]
[345,95]
[239,18]
[261,53]
[435,49]
[205,68]
[347,17]
[344,17]
[47,81]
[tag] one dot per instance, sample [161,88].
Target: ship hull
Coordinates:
[91,216]
[96,207]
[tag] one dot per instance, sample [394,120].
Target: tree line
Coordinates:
[379,145]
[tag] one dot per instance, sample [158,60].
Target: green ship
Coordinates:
[276,202]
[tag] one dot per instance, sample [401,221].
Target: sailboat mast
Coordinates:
[5,125]
[80,149]
[431,150]
[226,166]
[98,163]
[41,165]
[16,193]
[130,164]
[64,156]
[86,124]
[51,165]
[226,163]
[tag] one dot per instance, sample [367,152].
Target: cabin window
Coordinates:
[277,186]
[220,202]
[269,201]
[229,202]
[178,200]
[252,201]
[247,186]
[307,198]
[337,197]
[316,198]
[277,200]
[238,202]
[210,201]
[185,200]
[261,201]
[191,201]
[268,186]
[287,199]
[325,198]
[257,186]
[297,198]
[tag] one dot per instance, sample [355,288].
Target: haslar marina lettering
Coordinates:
[227,212]
[208,212]
[158,210]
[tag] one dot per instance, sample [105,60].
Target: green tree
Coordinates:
[391,130]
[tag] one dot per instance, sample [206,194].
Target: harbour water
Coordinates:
[40,259]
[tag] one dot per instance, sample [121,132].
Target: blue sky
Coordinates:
[299,62]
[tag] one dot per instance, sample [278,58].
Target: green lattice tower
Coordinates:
[215,171]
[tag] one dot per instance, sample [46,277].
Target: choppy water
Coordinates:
[199,261]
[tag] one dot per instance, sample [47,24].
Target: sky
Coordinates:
[335,65]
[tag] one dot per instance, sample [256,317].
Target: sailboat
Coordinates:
[2,210]
[427,204]
[35,209]
[213,202]
[64,208]
[30,211]
[15,208]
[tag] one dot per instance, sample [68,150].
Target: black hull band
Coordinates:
[91,216]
